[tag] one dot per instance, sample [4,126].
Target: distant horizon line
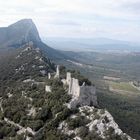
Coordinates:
[113,39]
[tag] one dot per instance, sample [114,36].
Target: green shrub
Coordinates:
[83,132]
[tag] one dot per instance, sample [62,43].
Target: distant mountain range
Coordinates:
[93,44]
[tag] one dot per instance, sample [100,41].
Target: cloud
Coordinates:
[132,6]
[76,17]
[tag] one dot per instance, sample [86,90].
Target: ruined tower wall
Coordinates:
[75,88]
[57,72]
[81,95]
[88,96]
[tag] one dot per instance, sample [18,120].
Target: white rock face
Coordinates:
[9,95]
[41,67]
[48,88]
[77,138]
[100,125]
[28,80]
[81,95]
[32,112]
[57,72]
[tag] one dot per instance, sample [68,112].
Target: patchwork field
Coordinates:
[122,87]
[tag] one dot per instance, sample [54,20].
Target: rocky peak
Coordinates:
[19,33]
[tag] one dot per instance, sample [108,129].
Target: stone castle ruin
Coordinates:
[81,95]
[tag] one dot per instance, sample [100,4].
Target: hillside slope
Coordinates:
[29,112]
[36,97]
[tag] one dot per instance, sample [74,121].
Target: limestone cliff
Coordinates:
[19,33]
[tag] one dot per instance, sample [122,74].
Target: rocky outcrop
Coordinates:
[48,88]
[49,76]
[100,122]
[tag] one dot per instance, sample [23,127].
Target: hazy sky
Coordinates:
[118,19]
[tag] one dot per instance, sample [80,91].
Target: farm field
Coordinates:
[122,86]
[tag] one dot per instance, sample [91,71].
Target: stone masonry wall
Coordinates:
[81,95]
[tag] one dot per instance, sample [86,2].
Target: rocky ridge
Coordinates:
[44,103]
[36,103]
[98,121]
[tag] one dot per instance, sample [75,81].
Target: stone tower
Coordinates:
[57,72]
